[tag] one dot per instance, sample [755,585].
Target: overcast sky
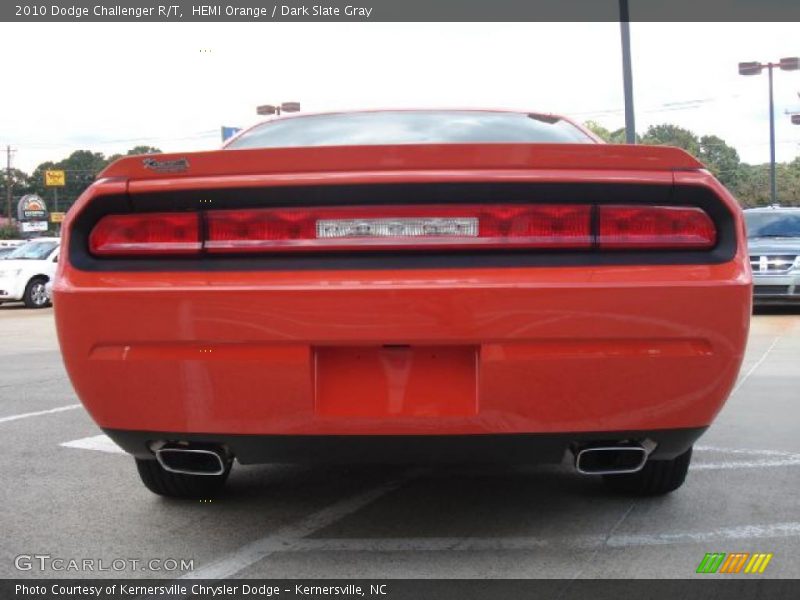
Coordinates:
[107,87]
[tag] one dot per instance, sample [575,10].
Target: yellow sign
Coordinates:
[57,217]
[54,178]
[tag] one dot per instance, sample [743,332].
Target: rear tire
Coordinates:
[658,477]
[178,485]
[35,295]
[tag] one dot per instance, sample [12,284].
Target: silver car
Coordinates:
[773,239]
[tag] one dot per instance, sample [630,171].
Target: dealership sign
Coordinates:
[31,226]
[55,178]
[31,208]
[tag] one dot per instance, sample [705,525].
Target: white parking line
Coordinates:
[101,443]
[752,369]
[772,458]
[253,552]
[522,543]
[39,413]
[767,463]
[747,451]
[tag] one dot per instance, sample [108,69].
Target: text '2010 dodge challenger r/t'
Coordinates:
[405,286]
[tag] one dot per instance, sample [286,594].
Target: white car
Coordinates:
[25,272]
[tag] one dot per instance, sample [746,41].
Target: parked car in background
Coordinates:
[773,239]
[7,246]
[25,272]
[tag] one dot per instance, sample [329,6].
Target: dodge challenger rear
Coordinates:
[405,286]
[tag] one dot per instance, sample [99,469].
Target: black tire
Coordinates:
[658,477]
[35,295]
[178,485]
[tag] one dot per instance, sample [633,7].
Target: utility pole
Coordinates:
[627,77]
[9,183]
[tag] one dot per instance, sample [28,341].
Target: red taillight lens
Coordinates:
[409,227]
[655,227]
[152,233]
[350,228]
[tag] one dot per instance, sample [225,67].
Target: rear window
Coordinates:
[410,127]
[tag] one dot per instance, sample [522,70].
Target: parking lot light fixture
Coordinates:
[277,109]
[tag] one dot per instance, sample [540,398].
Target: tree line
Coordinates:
[81,167]
[748,183]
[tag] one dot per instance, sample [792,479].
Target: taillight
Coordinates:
[150,233]
[352,228]
[655,227]
[409,227]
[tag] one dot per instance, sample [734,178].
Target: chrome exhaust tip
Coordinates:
[192,461]
[611,460]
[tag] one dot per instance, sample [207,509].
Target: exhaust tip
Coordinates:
[610,460]
[191,461]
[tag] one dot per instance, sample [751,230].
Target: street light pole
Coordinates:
[772,183]
[755,68]
[627,74]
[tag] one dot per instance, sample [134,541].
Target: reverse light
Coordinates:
[148,233]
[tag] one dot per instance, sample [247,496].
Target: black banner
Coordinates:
[749,587]
[398,10]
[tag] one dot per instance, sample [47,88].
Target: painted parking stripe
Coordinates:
[101,443]
[758,459]
[746,451]
[793,461]
[752,369]
[247,555]
[39,413]
[532,543]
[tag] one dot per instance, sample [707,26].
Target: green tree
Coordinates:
[672,135]
[721,159]
[134,151]
[81,167]
[143,150]
[19,180]
[612,137]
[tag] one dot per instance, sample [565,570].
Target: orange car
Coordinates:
[405,286]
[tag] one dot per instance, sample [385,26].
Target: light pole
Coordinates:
[276,109]
[627,75]
[755,68]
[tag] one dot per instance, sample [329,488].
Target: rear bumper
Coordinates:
[409,449]
[545,351]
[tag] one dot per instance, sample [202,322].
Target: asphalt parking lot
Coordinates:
[69,494]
